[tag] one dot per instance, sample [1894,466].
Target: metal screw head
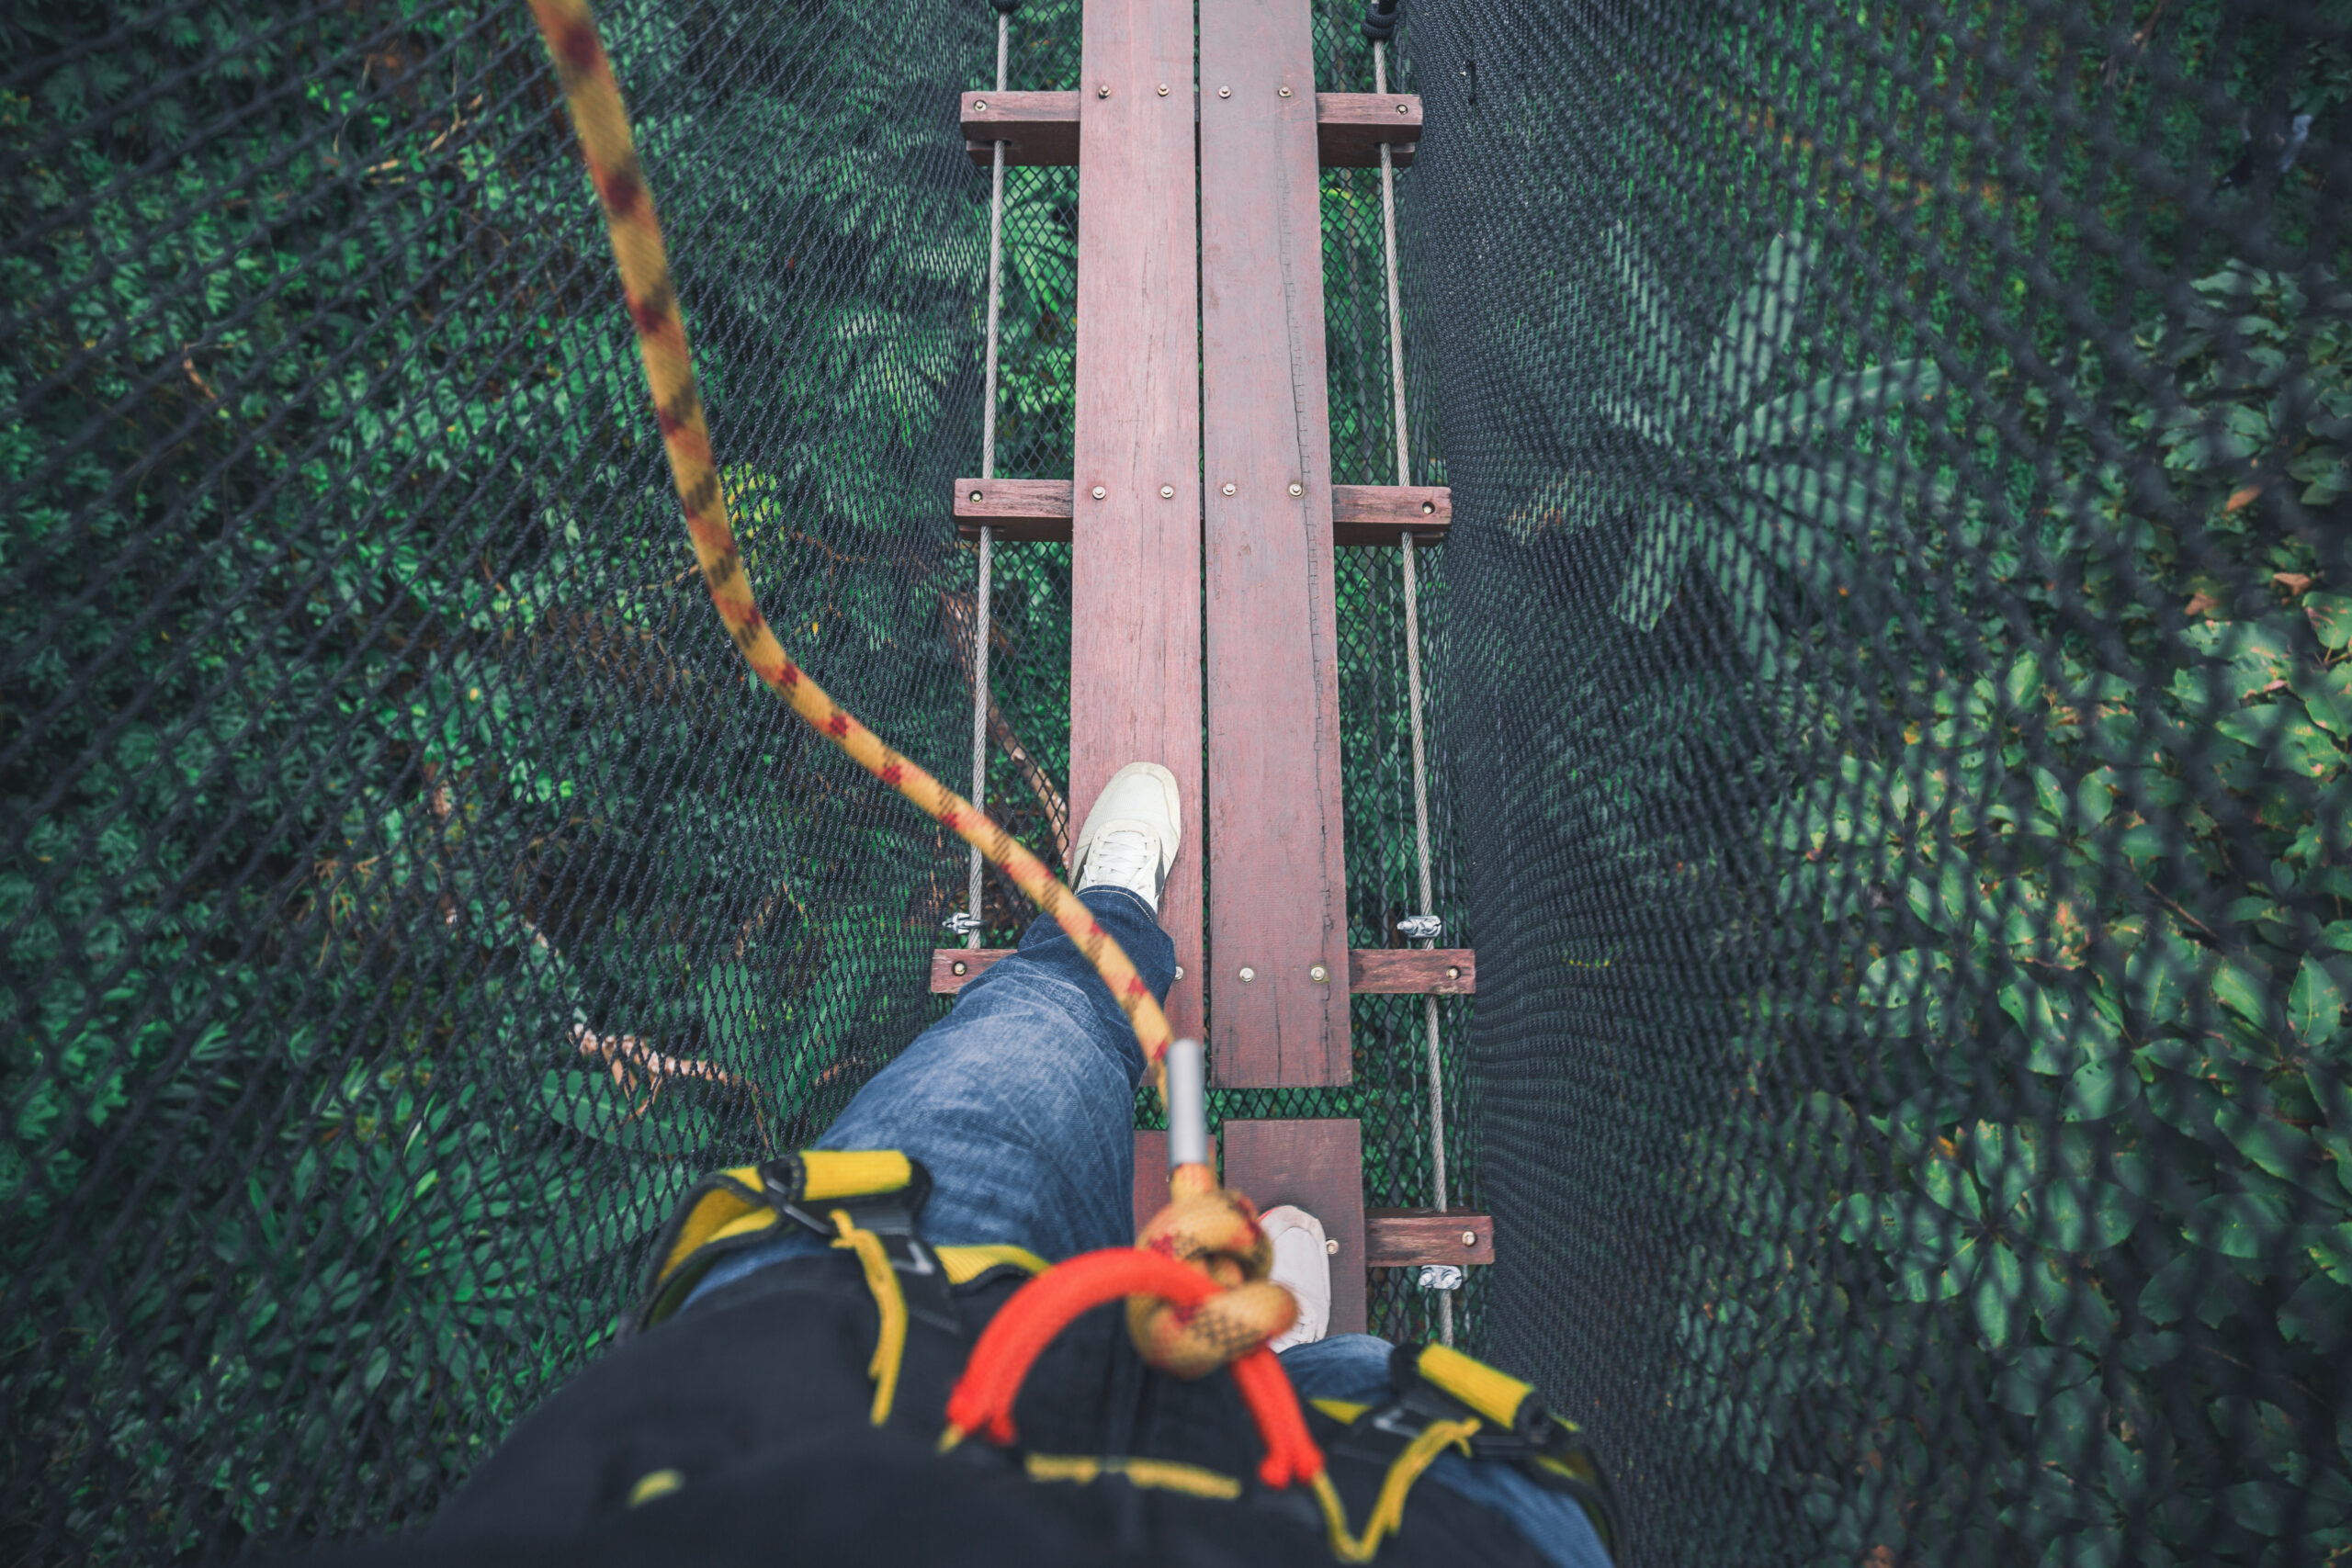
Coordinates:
[975,495]
[1225,92]
[1104,91]
[1318,973]
[979,105]
[960,966]
[1284,90]
[1179,971]
[1248,972]
[1452,972]
[1298,489]
[1099,492]
[1428,508]
[1228,489]
[1469,1238]
[1329,1246]
[1167,493]
[1164,89]
[1404,108]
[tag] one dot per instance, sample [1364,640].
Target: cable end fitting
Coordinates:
[1380,20]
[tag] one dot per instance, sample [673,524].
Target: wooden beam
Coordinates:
[1400,1238]
[1413,971]
[1042,127]
[1350,128]
[1360,514]
[1278,926]
[1136,551]
[1376,514]
[1371,971]
[1315,1166]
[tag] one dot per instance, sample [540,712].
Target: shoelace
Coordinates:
[1120,855]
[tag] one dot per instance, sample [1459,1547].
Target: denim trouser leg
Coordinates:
[1021,1102]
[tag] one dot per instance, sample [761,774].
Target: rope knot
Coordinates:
[1215,1231]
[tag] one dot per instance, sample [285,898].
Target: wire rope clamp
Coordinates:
[1421,927]
[1441,1276]
[962,923]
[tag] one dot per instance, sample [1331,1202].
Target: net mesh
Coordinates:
[1887,696]
[1900,665]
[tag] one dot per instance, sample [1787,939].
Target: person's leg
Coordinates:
[1021,1102]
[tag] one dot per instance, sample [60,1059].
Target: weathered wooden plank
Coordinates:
[1350,128]
[1042,127]
[1151,1173]
[1316,1166]
[1039,127]
[951,967]
[1136,551]
[1399,1238]
[1413,971]
[1277,874]
[1360,514]
[1376,514]
[1015,508]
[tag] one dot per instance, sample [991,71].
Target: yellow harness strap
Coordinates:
[1389,1511]
[890,1345]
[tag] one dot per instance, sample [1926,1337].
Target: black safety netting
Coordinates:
[1887,695]
[1901,609]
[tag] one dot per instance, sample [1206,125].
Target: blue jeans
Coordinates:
[1021,1102]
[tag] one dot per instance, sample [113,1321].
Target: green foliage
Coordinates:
[2090,984]
[403,893]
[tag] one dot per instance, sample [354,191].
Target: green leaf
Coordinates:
[2033,1373]
[2096,1090]
[2318,1313]
[2241,1225]
[2330,617]
[2021,682]
[2076,1213]
[1656,574]
[1660,358]
[1759,322]
[1942,1179]
[2243,987]
[1831,403]
[1999,1294]
[2315,1005]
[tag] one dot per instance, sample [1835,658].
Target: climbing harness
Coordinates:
[607,142]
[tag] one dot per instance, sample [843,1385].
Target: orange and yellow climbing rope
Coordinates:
[605,141]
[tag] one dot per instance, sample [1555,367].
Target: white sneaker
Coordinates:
[1302,1266]
[1130,836]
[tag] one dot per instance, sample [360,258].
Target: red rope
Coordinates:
[983,1397]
